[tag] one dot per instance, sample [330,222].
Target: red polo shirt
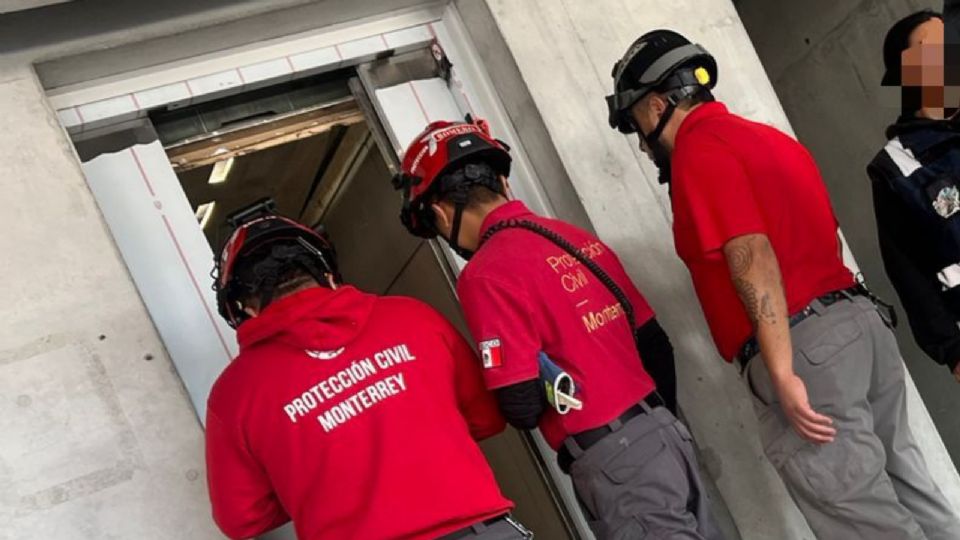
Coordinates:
[522,294]
[733,177]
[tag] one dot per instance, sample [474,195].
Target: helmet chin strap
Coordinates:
[461,182]
[654,135]
[454,240]
[661,157]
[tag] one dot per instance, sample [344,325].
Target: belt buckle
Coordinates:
[527,533]
[750,349]
[654,400]
[804,313]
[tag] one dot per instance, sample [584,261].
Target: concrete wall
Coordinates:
[825,61]
[563,51]
[99,439]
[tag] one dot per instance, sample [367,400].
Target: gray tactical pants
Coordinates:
[641,482]
[871,482]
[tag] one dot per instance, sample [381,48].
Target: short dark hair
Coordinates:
[701,95]
[264,276]
[487,189]
[294,281]
[476,196]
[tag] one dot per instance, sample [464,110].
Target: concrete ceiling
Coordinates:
[99,22]
[9,6]
[80,41]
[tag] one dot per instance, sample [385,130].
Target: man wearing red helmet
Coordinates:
[324,415]
[549,302]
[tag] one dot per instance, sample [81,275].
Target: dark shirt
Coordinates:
[910,252]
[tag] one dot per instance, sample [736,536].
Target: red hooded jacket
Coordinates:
[355,416]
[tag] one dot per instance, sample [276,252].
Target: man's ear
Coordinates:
[444,221]
[505,184]
[657,104]
[251,311]
[331,281]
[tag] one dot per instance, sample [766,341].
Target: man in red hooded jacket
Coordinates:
[353,415]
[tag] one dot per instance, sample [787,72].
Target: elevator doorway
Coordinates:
[324,164]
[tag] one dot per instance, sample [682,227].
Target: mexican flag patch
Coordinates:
[491,353]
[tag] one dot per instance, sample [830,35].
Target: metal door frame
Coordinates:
[97,108]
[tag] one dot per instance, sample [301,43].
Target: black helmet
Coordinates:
[259,250]
[660,60]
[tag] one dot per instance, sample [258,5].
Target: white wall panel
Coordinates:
[168,257]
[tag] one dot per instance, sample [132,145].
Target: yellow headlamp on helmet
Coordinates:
[702,75]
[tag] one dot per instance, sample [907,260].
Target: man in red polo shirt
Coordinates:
[546,299]
[351,414]
[754,225]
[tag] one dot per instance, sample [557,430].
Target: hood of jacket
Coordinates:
[318,319]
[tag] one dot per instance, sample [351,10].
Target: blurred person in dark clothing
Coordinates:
[916,177]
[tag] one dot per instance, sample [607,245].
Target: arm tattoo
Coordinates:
[740,261]
[748,294]
[758,308]
[766,309]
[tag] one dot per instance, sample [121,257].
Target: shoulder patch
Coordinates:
[491,353]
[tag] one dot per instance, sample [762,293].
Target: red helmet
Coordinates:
[438,149]
[293,243]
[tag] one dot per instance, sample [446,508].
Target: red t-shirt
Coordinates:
[733,177]
[522,294]
[356,417]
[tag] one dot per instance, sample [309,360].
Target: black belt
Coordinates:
[752,347]
[471,530]
[590,437]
